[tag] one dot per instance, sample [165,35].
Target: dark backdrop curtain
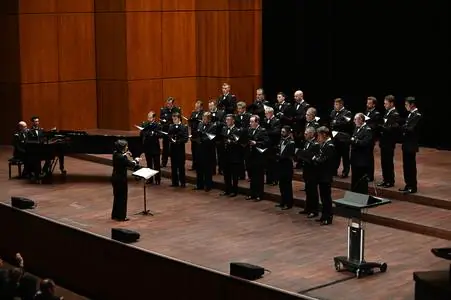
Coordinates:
[354,49]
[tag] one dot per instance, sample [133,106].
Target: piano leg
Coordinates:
[61,164]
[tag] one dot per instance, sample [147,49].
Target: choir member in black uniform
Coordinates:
[258,106]
[193,122]
[233,156]
[373,120]
[178,137]
[325,167]
[35,135]
[121,164]
[300,109]
[387,143]
[341,121]
[310,118]
[410,146]
[166,120]
[19,141]
[242,121]
[207,136]
[227,101]
[285,154]
[309,173]
[361,153]
[150,137]
[258,143]
[217,117]
[283,110]
[272,126]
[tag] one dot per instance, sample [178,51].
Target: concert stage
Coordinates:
[211,231]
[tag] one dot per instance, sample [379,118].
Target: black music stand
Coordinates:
[145,174]
[353,206]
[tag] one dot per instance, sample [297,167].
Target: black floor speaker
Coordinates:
[22,203]
[246,271]
[124,235]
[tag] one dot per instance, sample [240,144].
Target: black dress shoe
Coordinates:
[157,182]
[197,188]
[233,195]
[410,191]
[224,194]
[207,189]
[257,199]
[249,198]
[312,215]
[279,205]
[303,212]
[174,185]
[404,189]
[381,184]
[183,185]
[325,222]
[287,207]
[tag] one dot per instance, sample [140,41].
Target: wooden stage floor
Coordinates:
[212,231]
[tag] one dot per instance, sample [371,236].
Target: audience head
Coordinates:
[269,112]
[198,105]
[35,121]
[371,102]
[121,146]
[206,117]
[225,88]
[176,118]
[22,126]
[170,102]
[151,116]
[212,105]
[230,120]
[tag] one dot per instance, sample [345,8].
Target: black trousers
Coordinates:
[359,179]
[153,162]
[165,151]
[220,155]
[178,172]
[120,194]
[257,184]
[285,183]
[325,192]
[231,176]
[311,196]
[371,165]
[387,164]
[272,172]
[409,166]
[194,154]
[343,154]
[204,172]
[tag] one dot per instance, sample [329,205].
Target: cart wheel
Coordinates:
[358,273]
[383,268]
[337,266]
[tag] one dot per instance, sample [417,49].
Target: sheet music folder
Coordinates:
[145,173]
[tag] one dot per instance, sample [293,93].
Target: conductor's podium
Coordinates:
[353,206]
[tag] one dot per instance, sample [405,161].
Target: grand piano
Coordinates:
[58,143]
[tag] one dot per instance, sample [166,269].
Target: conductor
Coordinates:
[121,163]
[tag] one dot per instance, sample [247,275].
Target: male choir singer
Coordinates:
[285,153]
[206,143]
[233,156]
[178,136]
[410,146]
[150,137]
[361,150]
[121,163]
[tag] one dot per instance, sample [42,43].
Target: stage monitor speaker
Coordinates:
[124,235]
[246,271]
[22,203]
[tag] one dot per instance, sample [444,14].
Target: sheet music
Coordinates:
[385,120]
[367,118]
[162,132]
[184,118]
[265,107]
[237,138]
[139,127]
[317,119]
[145,173]
[334,133]
[210,136]
[347,119]
[261,150]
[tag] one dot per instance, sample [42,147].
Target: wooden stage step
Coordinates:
[404,215]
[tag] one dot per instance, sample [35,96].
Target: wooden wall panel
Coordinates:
[143,5]
[144,49]
[209,88]
[41,99]
[179,44]
[77,6]
[9,49]
[177,5]
[241,43]
[184,90]
[38,48]
[78,105]
[110,43]
[144,96]
[216,5]
[212,35]
[10,113]
[112,104]
[76,46]
[244,87]
[36,7]
[109,6]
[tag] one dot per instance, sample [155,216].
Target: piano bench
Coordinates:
[15,162]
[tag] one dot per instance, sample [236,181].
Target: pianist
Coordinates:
[19,140]
[121,163]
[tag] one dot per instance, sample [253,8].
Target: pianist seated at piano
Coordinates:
[121,164]
[19,141]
